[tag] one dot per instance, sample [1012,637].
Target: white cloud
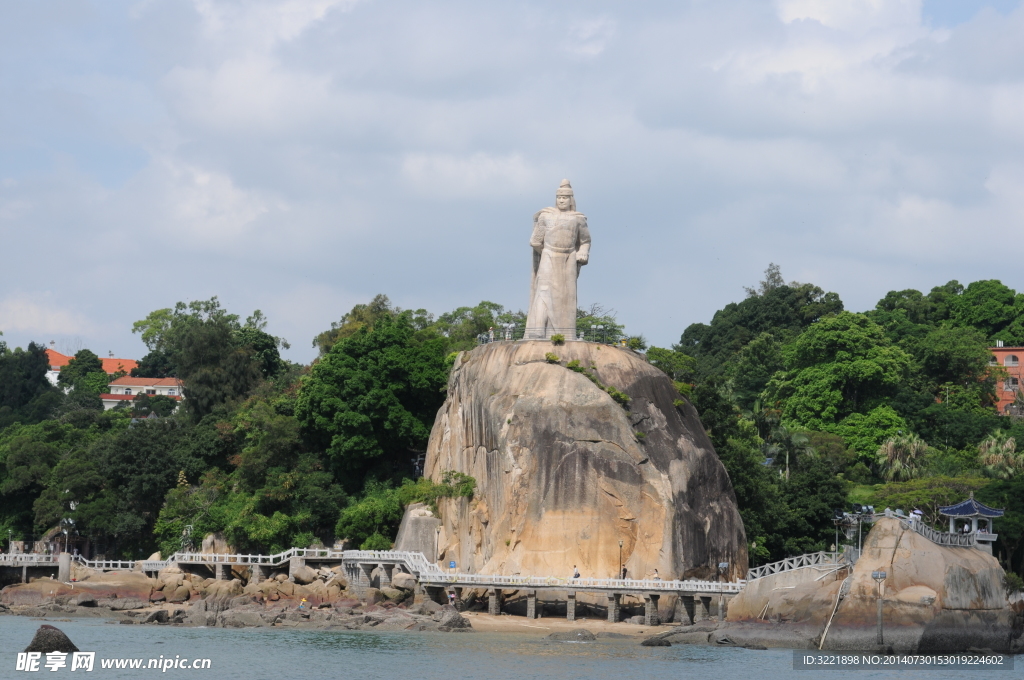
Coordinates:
[301,156]
[449,176]
[40,314]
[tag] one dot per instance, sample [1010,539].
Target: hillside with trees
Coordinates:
[810,407]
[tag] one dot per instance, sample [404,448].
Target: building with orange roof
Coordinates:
[111,365]
[126,389]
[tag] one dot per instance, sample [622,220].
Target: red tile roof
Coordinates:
[129,397]
[147,382]
[110,366]
[57,359]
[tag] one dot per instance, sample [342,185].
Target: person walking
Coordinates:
[575,572]
[656,577]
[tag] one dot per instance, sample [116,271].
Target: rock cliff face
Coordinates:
[564,472]
[935,598]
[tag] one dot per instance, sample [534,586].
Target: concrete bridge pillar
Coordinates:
[436,594]
[614,603]
[651,617]
[385,574]
[531,604]
[220,571]
[294,564]
[494,602]
[64,567]
[570,607]
[24,573]
[259,574]
[685,609]
[703,607]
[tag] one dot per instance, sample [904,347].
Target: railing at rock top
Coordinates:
[816,559]
[606,584]
[23,559]
[518,332]
[940,537]
[105,565]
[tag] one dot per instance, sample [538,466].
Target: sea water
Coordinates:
[276,653]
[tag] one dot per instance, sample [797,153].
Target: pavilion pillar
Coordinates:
[952,525]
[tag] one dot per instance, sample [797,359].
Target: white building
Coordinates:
[126,389]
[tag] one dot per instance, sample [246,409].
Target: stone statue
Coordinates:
[561,245]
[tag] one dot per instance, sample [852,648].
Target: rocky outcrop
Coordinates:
[50,639]
[935,598]
[418,530]
[565,472]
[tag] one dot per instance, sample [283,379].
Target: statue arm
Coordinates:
[583,239]
[537,239]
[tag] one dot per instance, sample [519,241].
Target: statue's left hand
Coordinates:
[582,258]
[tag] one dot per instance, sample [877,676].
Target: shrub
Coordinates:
[557,339]
[551,358]
[640,436]
[1013,583]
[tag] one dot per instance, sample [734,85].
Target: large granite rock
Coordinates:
[50,639]
[564,472]
[418,530]
[935,598]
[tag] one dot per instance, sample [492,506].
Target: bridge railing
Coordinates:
[416,561]
[940,537]
[27,558]
[105,565]
[823,559]
[610,584]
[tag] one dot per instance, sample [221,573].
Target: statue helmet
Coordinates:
[565,189]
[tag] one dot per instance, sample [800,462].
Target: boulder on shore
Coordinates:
[50,639]
[564,470]
[935,599]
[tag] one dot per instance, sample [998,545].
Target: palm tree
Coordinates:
[998,455]
[784,440]
[899,458]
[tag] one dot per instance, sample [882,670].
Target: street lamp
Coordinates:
[437,542]
[879,577]
[619,574]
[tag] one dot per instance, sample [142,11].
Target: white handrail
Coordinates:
[797,562]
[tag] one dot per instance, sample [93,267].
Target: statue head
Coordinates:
[564,199]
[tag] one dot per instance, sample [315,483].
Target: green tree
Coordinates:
[25,393]
[752,368]
[900,458]
[927,494]
[990,307]
[840,366]
[782,310]
[81,372]
[371,400]
[361,316]
[156,364]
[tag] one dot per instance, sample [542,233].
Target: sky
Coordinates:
[301,156]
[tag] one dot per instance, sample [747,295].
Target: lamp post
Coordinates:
[437,542]
[619,574]
[879,577]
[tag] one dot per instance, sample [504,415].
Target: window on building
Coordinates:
[1011,385]
[993,361]
[150,391]
[127,390]
[1011,360]
[171,391]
